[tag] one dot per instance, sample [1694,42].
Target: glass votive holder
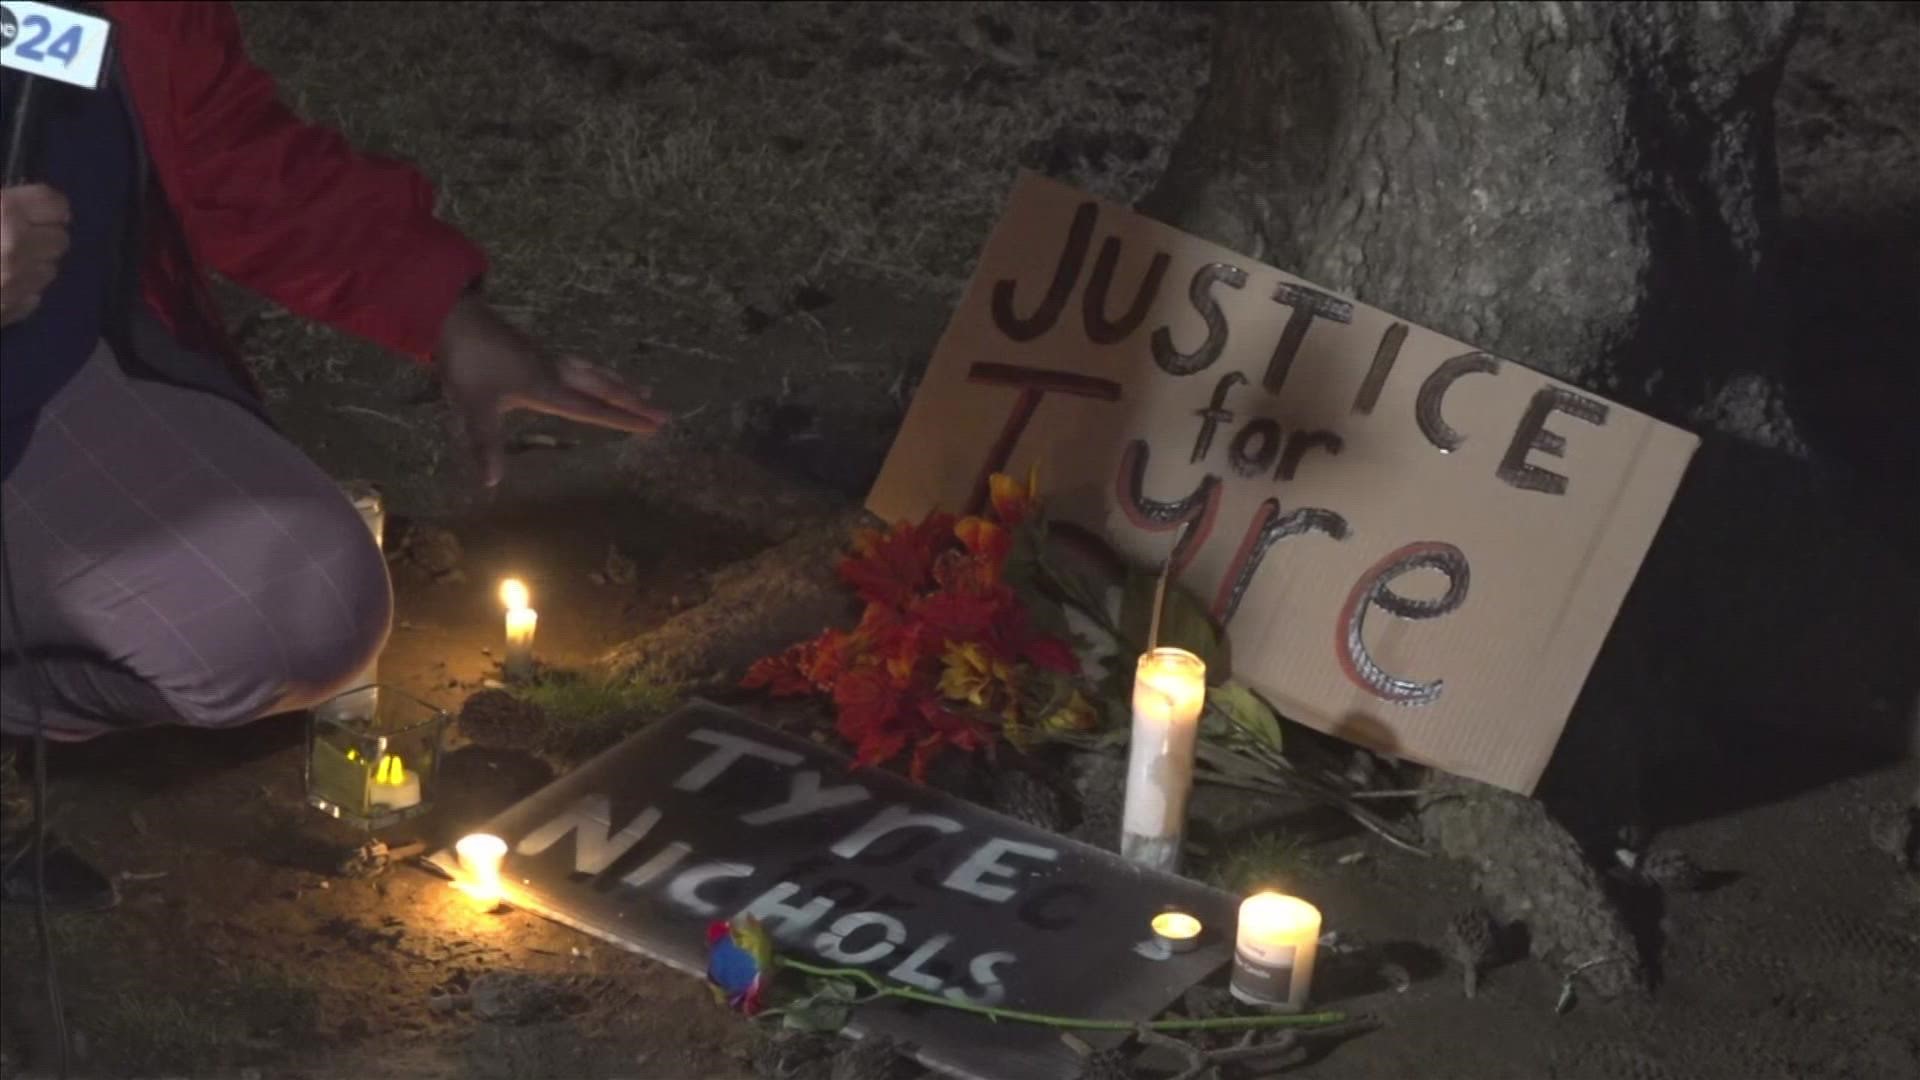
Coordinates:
[374,766]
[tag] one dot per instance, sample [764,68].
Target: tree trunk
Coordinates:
[1589,189]
[1586,188]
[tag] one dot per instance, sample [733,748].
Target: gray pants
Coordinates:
[178,562]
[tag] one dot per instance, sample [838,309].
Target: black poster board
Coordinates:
[707,813]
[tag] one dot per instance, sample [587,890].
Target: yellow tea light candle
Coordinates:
[521,621]
[1274,950]
[1177,930]
[480,855]
[394,787]
[1169,689]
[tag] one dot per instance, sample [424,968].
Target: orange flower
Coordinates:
[989,544]
[1013,501]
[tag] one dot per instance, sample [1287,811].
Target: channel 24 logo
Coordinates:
[9,27]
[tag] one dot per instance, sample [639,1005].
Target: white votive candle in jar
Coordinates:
[1169,689]
[1273,953]
[480,855]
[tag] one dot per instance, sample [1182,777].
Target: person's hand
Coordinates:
[33,237]
[488,368]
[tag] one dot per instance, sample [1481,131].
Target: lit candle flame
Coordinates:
[513,593]
[1176,925]
[390,770]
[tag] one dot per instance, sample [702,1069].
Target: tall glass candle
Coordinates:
[521,621]
[1274,950]
[1169,689]
[361,699]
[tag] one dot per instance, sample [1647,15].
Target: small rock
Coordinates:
[871,1058]
[492,684]
[1396,977]
[1892,828]
[434,550]
[1209,1003]
[1472,941]
[619,569]
[441,1003]
[1106,1065]
[597,579]
[1671,870]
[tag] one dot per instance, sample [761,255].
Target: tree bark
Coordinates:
[1588,189]
[1585,188]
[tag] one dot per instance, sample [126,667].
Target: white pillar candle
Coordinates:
[1274,950]
[480,855]
[521,621]
[1169,689]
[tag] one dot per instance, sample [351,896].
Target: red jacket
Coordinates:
[284,208]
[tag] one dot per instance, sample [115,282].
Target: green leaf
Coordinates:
[1183,624]
[826,1009]
[1250,716]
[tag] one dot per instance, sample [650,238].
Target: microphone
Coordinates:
[45,42]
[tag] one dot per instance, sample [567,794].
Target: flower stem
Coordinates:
[1222,1023]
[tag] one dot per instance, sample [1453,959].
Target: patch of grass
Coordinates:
[586,712]
[623,160]
[144,1031]
[1260,861]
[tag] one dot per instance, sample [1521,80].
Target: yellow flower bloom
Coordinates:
[970,675]
[1078,714]
[1012,500]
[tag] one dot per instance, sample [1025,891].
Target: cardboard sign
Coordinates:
[1412,544]
[706,814]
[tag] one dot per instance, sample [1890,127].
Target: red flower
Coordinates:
[1050,653]
[868,705]
[781,675]
[888,568]
[933,591]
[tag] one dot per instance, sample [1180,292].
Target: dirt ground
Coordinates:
[764,210]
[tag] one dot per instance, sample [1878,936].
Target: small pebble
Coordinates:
[1396,977]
